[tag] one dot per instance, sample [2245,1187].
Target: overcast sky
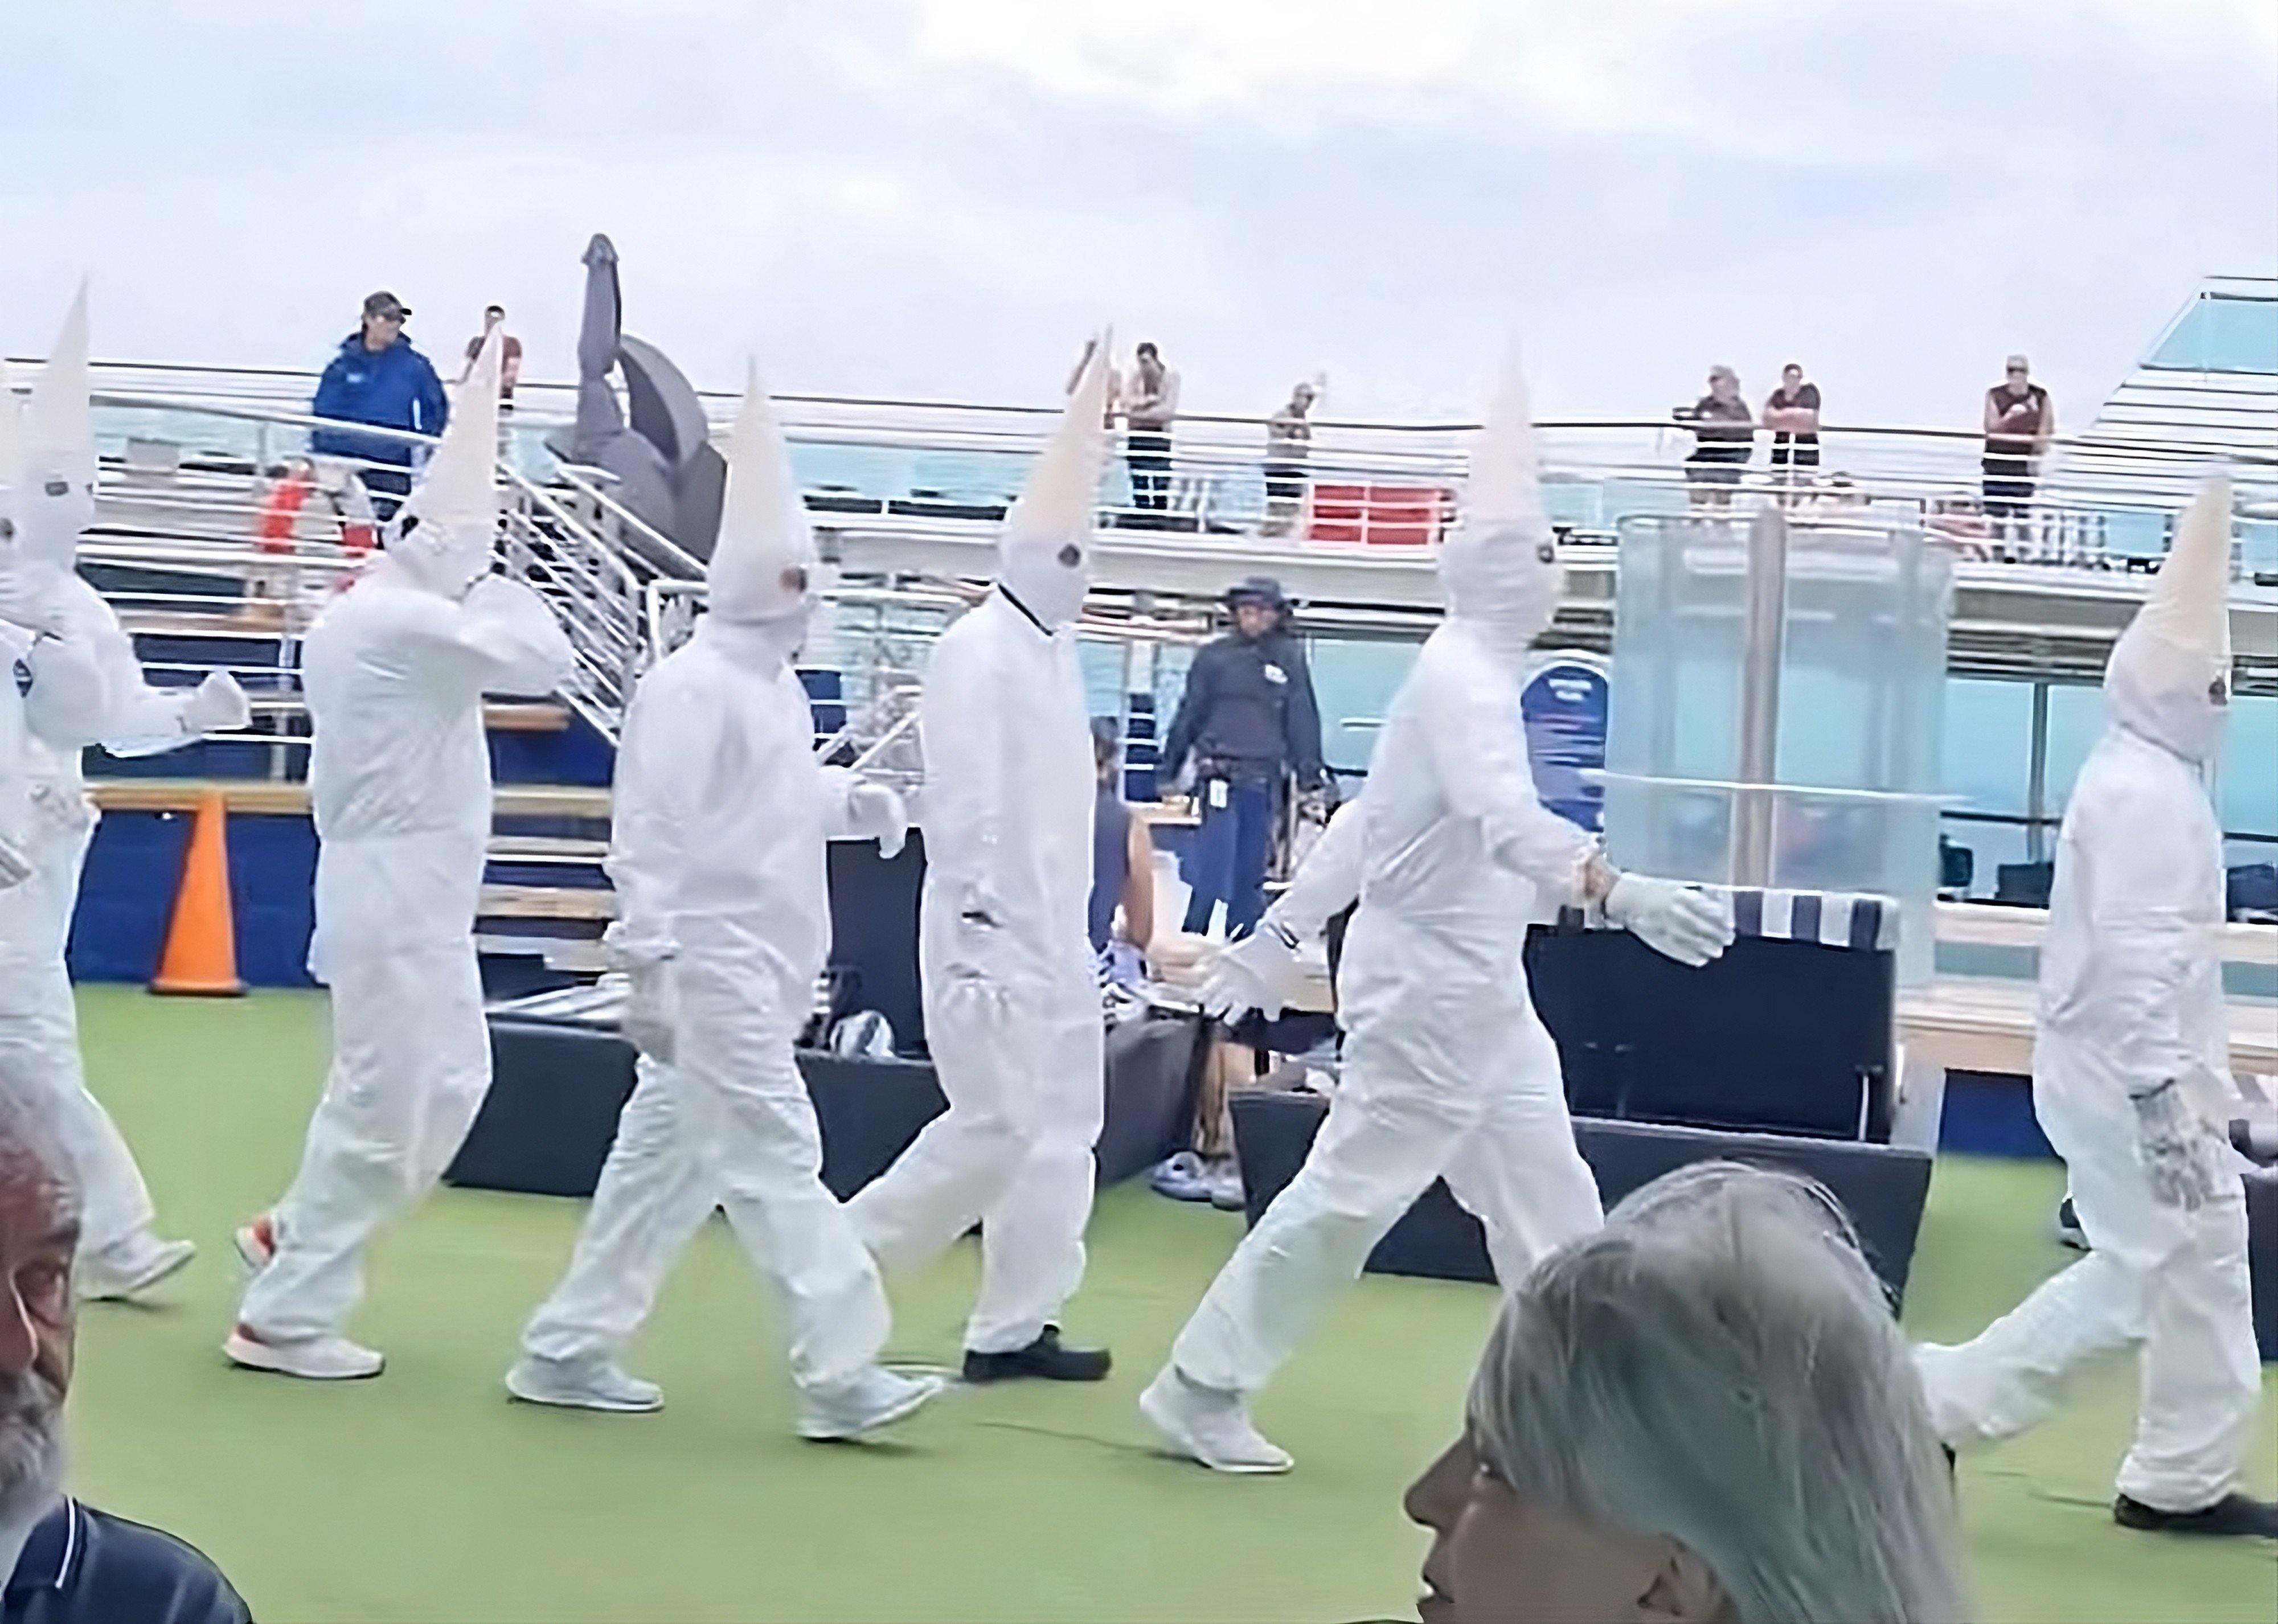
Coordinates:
[940,197]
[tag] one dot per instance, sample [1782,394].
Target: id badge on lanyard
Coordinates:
[1220,797]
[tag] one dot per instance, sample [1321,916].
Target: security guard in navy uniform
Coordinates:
[1250,724]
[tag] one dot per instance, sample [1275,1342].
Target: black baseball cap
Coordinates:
[386,305]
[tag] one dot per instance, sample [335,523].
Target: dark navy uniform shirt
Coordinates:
[84,1567]
[1248,712]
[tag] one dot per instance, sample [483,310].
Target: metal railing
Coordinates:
[2105,491]
[626,592]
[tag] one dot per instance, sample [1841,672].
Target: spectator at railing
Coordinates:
[2020,419]
[378,378]
[1288,442]
[510,357]
[1792,413]
[1149,409]
[1725,432]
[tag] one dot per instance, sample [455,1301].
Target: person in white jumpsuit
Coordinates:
[395,670]
[2132,1084]
[1447,1070]
[1011,989]
[120,1254]
[723,816]
[54,688]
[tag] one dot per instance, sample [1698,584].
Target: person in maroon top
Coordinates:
[510,357]
[2020,418]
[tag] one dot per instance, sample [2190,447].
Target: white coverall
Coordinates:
[721,817]
[1011,989]
[39,1023]
[399,780]
[1448,1069]
[2131,996]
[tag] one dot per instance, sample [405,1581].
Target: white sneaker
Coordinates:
[582,1385]
[131,1268]
[877,1397]
[312,1359]
[1210,1427]
[257,1243]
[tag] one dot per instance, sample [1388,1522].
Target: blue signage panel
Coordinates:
[1563,708]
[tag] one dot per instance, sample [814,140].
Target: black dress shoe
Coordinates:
[2234,1516]
[1044,1360]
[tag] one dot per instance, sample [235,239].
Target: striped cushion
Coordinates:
[1831,918]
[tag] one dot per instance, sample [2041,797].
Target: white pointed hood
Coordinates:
[1044,553]
[456,503]
[55,465]
[2169,674]
[762,563]
[1499,568]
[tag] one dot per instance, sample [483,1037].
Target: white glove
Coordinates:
[215,705]
[2177,1150]
[1261,972]
[1668,918]
[15,868]
[651,1009]
[874,812]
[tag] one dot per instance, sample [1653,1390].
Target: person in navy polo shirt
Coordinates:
[67,1563]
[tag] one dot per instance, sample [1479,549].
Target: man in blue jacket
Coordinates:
[1250,723]
[378,378]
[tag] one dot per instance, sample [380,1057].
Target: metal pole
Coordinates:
[2036,776]
[1764,640]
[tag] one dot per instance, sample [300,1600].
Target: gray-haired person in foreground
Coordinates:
[1704,1411]
[62,1562]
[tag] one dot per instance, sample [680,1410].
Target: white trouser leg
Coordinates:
[656,1190]
[1392,1128]
[2174,1283]
[2202,1373]
[39,1034]
[967,1157]
[1519,1172]
[741,1091]
[411,1063]
[1032,1252]
[2013,1375]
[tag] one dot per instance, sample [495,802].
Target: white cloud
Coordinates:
[940,197]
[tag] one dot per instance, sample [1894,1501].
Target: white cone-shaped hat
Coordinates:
[456,503]
[54,466]
[2168,675]
[1500,567]
[1044,550]
[766,554]
[2189,605]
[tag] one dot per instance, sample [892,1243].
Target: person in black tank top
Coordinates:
[2020,419]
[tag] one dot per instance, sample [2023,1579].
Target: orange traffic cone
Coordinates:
[201,956]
